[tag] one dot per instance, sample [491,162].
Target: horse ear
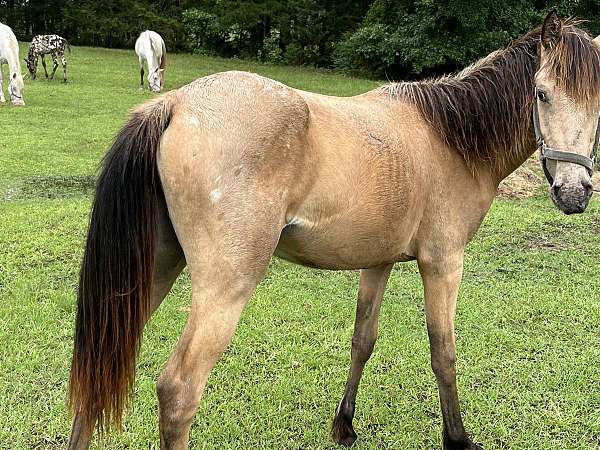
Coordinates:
[161,70]
[551,30]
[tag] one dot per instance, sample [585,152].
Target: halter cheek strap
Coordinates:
[547,152]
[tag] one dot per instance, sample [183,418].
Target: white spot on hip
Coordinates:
[215,195]
[193,121]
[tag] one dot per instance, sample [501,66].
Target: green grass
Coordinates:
[527,320]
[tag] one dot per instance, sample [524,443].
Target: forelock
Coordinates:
[574,63]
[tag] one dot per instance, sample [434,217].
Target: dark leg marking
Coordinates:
[370,293]
[441,281]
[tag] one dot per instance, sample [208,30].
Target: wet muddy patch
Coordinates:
[51,187]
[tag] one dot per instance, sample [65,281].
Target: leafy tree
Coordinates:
[416,38]
[380,38]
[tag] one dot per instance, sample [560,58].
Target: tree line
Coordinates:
[397,39]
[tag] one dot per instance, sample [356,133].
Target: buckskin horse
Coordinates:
[234,168]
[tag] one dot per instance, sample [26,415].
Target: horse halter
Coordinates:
[547,152]
[12,93]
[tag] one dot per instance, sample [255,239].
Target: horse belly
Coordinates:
[342,247]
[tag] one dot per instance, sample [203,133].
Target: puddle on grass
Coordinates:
[51,187]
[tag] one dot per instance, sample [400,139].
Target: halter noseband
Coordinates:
[547,152]
[12,94]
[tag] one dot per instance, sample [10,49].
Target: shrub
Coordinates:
[203,31]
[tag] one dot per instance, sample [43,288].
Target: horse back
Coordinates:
[9,46]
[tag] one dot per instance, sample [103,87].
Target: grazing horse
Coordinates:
[47,44]
[233,168]
[150,48]
[9,54]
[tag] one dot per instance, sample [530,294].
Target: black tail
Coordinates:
[116,274]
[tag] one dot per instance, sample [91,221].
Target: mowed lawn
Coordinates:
[528,320]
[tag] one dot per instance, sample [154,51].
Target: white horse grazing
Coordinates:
[9,54]
[150,47]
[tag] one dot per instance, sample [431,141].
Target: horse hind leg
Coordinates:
[228,247]
[169,261]
[63,61]
[214,315]
[54,65]
[370,293]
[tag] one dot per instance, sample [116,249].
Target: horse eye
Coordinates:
[541,95]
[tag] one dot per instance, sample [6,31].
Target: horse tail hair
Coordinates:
[68,45]
[115,282]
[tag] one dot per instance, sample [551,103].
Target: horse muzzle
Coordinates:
[571,198]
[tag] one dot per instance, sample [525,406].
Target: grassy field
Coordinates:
[528,318]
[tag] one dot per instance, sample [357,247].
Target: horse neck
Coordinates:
[13,63]
[483,112]
[31,54]
[507,166]
[153,57]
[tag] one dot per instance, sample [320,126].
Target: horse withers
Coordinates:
[150,48]
[9,54]
[234,168]
[45,44]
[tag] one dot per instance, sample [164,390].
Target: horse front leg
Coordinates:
[2,99]
[370,293]
[441,280]
[44,65]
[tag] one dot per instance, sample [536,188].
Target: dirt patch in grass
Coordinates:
[545,243]
[595,228]
[51,187]
[524,182]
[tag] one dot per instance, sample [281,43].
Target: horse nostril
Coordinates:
[556,187]
[588,186]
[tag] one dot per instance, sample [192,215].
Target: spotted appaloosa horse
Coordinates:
[47,44]
[234,168]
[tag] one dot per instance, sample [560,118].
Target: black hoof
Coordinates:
[461,445]
[342,432]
